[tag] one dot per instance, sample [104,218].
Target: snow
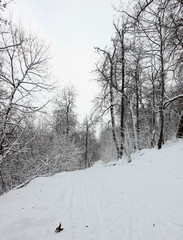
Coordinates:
[142,200]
